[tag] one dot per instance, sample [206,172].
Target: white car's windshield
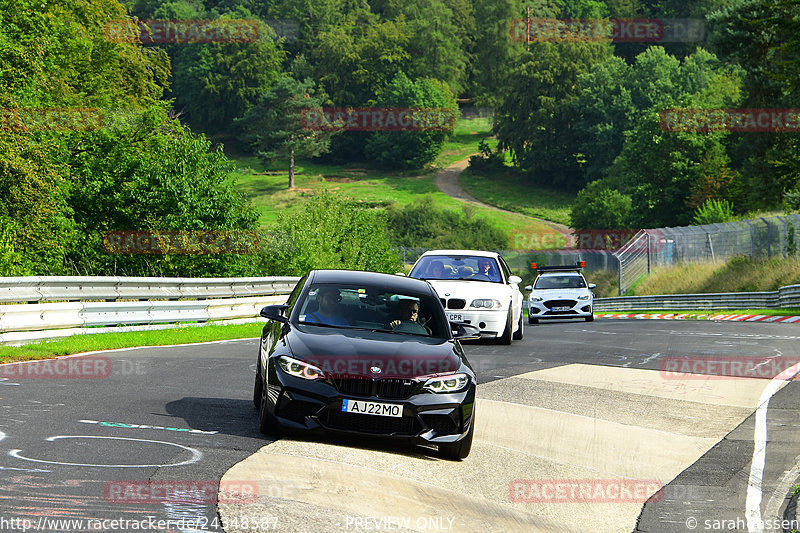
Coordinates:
[460,267]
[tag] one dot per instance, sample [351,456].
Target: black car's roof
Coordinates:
[390,281]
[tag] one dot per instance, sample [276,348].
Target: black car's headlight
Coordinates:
[486,303]
[451,383]
[299,369]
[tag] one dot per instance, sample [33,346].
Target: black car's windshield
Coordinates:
[457,267]
[372,308]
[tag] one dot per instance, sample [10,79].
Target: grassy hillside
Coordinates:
[740,274]
[266,187]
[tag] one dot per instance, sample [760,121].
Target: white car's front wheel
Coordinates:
[505,338]
[518,334]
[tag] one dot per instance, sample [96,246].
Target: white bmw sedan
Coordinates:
[477,288]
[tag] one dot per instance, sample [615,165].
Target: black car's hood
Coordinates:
[356,353]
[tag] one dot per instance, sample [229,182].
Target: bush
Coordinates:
[424,225]
[487,160]
[599,206]
[330,232]
[713,212]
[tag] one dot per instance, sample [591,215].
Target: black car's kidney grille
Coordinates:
[382,425]
[395,389]
[559,303]
[456,303]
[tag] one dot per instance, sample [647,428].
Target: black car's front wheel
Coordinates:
[257,390]
[458,450]
[267,424]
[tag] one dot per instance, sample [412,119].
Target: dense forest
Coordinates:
[107,125]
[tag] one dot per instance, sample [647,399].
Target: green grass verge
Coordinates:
[503,189]
[109,341]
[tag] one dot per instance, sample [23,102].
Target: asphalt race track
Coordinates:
[577,426]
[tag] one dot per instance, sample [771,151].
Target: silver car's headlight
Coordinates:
[584,296]
[451,383]
[535,298]
[299,369]
[486,304]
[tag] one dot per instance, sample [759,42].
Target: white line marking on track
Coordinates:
[196,455]
[755,523]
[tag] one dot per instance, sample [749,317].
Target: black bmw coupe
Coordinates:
[366,353]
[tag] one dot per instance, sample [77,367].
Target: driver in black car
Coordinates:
[408,312]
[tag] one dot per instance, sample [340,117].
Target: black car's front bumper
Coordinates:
[316,405]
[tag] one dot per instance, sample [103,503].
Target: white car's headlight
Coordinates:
[485,304]
[299,369]
[535,298]
[584,296]
[451,383]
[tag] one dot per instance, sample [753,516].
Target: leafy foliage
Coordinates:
[330,232]
[411,149]
[599,206]
[424,225]
[713,212]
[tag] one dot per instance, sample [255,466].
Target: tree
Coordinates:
[276,127]
[412,149]
[218,82]
[534,120]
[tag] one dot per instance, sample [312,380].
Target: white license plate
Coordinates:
[452,317]
[372,408]
[562,308]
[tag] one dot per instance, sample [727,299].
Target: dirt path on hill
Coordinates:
[447,182]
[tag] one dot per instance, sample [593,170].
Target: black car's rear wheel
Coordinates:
[458,450]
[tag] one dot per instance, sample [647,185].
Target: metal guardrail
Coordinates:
[788,296]
[82,304]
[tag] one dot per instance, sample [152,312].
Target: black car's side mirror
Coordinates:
[464,331]
[275,312]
